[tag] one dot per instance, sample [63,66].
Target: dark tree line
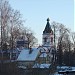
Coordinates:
[65,45]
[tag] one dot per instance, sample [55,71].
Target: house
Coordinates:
[28,57]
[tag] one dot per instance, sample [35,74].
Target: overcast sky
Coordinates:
[35,12]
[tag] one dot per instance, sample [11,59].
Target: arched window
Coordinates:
[45,39]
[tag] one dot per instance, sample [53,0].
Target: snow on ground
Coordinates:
[57,73]
[44,65]
[62,67]
[23,67]
[41,65]
[65,69]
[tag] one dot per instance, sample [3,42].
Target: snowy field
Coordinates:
[65,70]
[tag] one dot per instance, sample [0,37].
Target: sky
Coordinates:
[36,12]
[74,15]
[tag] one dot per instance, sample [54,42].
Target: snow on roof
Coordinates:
[41,65]
[43,49]
[25,56]
[43,55]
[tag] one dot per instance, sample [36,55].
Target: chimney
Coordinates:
[30,50]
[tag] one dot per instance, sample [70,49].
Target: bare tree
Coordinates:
[32,41]
[62,39]
[15,25]
[4,19]
[11,24]
[73,38]
[61,33]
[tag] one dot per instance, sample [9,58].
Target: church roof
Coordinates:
[25,56]
[47,28]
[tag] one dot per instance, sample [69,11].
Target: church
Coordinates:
[41,55]
[47,46]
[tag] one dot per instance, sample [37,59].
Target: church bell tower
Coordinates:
[47,39]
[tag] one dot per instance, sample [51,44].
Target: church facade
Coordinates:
[47,47]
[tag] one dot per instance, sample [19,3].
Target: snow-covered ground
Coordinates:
[41,65]
[23,67]
[65,69]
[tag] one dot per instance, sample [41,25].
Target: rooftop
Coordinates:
[26,56]
[48,27]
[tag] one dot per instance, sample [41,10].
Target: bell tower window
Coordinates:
[51,39]
[45,39]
